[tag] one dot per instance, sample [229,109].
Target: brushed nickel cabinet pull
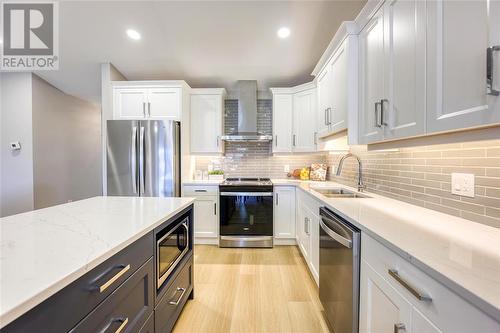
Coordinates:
[490,71]
[149,109]
[122,326]
[414,291]
[114,278]
[144,109]
[326,117]
[200,190]
[398,327]
[277,199]
[315,138]
[215,208]
[276,140]
[377,115]
[382,118]
[176,302]
[294,140]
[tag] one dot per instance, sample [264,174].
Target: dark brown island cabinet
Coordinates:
[143,288]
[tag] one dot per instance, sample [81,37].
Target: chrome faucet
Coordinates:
[361,186]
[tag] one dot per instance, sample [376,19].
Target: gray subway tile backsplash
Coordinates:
[419,175]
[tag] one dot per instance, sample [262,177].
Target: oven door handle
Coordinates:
[246,194]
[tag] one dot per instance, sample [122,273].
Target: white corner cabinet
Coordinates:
[207,120]
[294,123]
[206,212]
[432,78]
[148,99]
[390,288]
[337,77]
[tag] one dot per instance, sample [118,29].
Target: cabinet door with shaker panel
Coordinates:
[463,64]
[284,212]
[130,103]
[282,122]
[304,121]
[371,76]
[206,212]
[207,120]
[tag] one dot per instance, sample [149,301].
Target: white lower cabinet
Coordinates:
[389,286]
[284,212]
[308,232]
[382,308]
[206,213]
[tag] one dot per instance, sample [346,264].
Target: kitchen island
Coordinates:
[47,251]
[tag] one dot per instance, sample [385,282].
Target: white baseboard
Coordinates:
[285,241]
[206,241]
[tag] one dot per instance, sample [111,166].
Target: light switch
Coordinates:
[462,184]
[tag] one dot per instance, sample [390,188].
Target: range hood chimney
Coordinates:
[247,114]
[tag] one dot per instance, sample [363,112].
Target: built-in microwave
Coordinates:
[172,245]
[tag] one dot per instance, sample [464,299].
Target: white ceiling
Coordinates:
[206,43]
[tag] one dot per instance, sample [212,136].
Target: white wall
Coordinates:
[16,174]
[66,146]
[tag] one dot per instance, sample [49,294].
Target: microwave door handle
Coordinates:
[342,240]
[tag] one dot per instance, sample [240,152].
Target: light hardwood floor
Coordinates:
[251,290]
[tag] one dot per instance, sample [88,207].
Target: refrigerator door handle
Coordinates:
[141,162]
[133,159]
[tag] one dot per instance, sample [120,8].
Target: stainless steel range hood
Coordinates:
[247,115]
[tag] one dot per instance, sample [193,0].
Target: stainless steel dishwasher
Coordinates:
[339,256]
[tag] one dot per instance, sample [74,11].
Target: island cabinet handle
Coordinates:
[176,302]
[200,190]
[124,322]
[414,291]
[106,285]
[398,327]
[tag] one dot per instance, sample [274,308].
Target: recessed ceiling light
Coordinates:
[133,34]
[283,32]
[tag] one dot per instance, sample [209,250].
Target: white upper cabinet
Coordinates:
[148,100]
[294,119]
[338,69]
[207,120]
[458,35]
[371,76]
[336,77]
[392,72]
[423,70]
[164,103]
[304,121]
[324,101]
[282,122]
[130,103]
[403,104]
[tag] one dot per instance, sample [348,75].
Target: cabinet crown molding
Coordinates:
[347,28]
[294,90]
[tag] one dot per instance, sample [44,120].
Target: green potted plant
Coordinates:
[216,175]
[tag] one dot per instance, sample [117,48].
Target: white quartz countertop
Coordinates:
[461,254]
[43,251]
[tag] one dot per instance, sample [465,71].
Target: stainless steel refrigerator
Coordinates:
[143,158]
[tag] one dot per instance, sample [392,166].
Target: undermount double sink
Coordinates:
[339,193]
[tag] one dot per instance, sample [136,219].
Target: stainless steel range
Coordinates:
[246,212]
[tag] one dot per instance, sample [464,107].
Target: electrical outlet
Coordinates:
[462,184]
[286,168]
